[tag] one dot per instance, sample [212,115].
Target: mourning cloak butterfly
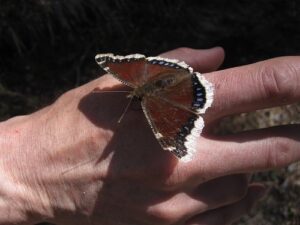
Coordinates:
[171,94]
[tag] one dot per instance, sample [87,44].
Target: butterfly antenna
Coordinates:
[125,110]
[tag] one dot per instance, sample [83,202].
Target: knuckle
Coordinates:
[164,214]
[277,79]
[270,81]
[167,185]
[175,181]
[278,153]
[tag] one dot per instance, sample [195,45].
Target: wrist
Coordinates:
[51,157]
[22,201]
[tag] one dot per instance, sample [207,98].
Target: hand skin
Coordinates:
[72,164]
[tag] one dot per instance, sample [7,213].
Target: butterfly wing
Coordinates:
[179,96]
[129,69]
[189,89]
[173,111]
[157,66]
[176,129]
[135,70]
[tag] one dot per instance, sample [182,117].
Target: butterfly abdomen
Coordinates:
[154,87]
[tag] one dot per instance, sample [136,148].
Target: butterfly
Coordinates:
[172,95]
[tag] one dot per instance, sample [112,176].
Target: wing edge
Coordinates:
[190,139]
[101,59]
[209,92]
[173,63]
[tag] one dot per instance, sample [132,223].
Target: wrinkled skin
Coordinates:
[71,163]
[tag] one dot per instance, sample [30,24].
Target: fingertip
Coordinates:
[202,60]
[208,60]
[218,55]
[220,51]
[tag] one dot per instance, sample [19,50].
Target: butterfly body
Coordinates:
[171,94]
[155,87]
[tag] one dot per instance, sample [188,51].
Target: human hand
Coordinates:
[86,169]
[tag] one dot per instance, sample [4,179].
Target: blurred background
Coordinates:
[48,47]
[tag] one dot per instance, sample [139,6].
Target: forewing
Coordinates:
[130,69]
[175,128]
[157,66]
[190,89]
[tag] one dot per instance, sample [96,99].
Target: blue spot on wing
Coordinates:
[199,93]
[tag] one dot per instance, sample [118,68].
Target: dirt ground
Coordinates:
[48,47]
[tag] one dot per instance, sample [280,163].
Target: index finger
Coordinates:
[260,85]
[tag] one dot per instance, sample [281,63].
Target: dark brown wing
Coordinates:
[175,128]
[157,66]
[135,70]
[172,103]
[192,92]
[130,69]
[189,89]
